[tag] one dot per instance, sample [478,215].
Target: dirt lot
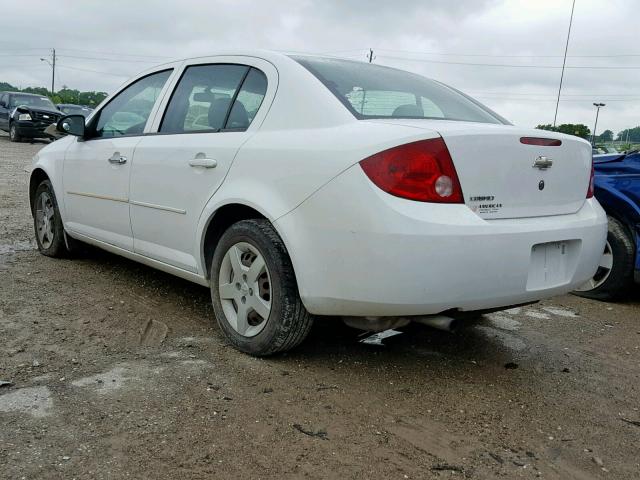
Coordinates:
[118,371]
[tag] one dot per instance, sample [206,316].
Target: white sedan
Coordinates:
[300,186]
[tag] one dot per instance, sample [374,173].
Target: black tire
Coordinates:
[14,136]
[53,247]
[620,280]
[288,322]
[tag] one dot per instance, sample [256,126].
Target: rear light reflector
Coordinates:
[542,142]
[421,171]
[591,182]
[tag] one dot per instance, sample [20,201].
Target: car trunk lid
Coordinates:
[502,177]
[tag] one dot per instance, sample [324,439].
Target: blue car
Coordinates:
[617,188]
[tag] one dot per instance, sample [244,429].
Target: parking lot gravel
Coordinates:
[110,369]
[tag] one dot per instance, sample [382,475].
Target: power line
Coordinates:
[112,53]
[108,59]
[489,55]
[20,55]
[504,65]
[93,71]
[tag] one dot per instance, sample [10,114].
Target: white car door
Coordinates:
[97,167]
[212,111]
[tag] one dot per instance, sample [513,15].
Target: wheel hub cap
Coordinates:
[603,272]
[45,214]
[244,285]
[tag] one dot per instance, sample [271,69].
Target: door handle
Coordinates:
[117,159]
[203,162]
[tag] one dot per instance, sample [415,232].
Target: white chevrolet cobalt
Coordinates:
[301,186]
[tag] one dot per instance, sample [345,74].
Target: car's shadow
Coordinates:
[416,346]
[4,137]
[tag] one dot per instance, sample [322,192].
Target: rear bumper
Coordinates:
[359,251]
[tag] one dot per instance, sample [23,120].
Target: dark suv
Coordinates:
[25,115]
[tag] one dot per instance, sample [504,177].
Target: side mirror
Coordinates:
[71,125]
[3,104]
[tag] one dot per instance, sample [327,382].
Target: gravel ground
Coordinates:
[118,371]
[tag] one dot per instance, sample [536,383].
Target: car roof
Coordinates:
[24,93]
[273,56]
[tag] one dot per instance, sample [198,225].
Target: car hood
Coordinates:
[52,111]
[616,157]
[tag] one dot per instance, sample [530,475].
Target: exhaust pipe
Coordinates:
[379,324]
[441,322]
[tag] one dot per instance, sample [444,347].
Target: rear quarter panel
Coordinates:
[276,170]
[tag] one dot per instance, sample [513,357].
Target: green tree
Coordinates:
[64,95]
[606,136]
[634,135]
[577,129]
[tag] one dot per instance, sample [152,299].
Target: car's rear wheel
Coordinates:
[47,222]
[14,136]
[614,277]
[254,291]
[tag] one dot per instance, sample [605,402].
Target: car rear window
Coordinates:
[374,91]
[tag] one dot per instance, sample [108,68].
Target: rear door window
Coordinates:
[213,98]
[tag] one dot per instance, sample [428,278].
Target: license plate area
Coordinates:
[552,264]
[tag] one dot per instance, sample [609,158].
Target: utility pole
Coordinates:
[52,64]
[564,62]
[370,56]
[593,135]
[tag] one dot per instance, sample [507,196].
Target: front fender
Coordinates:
[48,163]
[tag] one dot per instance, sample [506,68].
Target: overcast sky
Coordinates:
[431,37]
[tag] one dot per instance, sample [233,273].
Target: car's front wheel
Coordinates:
[47,222]
[14,135]
[614,277]
[254,291]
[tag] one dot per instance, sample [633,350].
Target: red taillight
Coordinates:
[591,180]
[542,142]
[420,171]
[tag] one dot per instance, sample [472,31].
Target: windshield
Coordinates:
[373,91]
[31,101]
[69,110]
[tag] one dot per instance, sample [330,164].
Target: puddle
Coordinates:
[172,355]
[535,314]
[561,312]
[377,338]
[503,322]
[506,339]
[106,382]
[117,378]
[19,246]
[513,311]
[194,362]
[34,401]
